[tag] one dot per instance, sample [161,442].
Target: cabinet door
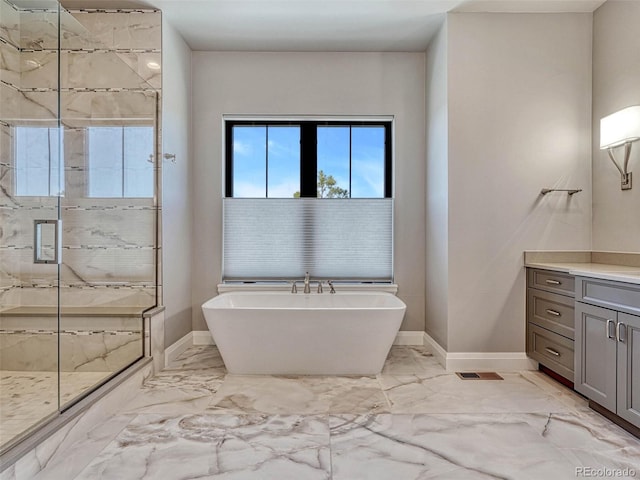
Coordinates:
[629,368]
[595,354]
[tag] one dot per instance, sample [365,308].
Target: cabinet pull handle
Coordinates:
[555,313]
[553,282]
[552,352]
[619,336]
[609,323]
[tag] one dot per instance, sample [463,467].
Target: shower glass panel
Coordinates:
[108,210]
[30,184]
[78,203]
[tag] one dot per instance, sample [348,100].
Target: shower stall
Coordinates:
[79,176]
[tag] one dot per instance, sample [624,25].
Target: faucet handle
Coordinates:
[331,289]
[319,286]
[294,288]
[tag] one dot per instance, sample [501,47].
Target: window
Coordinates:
[323,159]
[37,157]
[120,162]
[341,227]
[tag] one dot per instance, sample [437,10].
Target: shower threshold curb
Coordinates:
[23,446]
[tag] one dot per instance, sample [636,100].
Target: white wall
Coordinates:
[616,84]
[437,207]
[177,221]
[317,84]
[519,120]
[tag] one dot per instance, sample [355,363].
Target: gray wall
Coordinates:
[616,84]
[177,221]
[316,84]
[508,112]
[519,120]
[437,185]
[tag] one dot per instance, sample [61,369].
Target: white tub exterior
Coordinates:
[280,333]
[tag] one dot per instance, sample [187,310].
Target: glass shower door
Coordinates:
[108,210]
[30,185]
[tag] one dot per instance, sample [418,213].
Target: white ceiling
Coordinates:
[326,25]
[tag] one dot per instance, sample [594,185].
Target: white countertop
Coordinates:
[604,271]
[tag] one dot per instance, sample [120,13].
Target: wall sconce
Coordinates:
[618,129]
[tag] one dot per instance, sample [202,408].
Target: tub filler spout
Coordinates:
[307,288]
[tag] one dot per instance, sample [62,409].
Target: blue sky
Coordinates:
[250,148]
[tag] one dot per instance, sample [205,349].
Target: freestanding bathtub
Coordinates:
[346,333]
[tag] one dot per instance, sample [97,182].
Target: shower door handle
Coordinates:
[38,256]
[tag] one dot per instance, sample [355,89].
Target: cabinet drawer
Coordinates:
[551,350]
[550,281]
[551,311]
[623,297]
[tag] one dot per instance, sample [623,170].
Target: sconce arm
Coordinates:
[625,175]
[613,159]
[627,154]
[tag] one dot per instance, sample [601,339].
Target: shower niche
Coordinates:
[79,176]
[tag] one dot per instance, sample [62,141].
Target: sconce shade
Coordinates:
[620,127]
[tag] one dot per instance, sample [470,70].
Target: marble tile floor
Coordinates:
[413,421]
[28,397]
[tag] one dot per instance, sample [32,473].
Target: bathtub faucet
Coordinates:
[331,289]
[294,289]
[307,288]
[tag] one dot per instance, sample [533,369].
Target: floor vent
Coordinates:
[479,376]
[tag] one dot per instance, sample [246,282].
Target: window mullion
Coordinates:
[350,152]
[308,159]
[266,154]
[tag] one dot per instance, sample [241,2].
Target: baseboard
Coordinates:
[434,347]
[202,337]
[177,348]
[494,361]
[479,361]
[409,338]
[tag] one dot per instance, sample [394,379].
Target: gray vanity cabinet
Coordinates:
[550,320]
[607,346]
[629,369]
[596,354]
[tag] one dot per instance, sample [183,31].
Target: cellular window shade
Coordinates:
[271,239]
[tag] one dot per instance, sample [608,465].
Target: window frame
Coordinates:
[309,149]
